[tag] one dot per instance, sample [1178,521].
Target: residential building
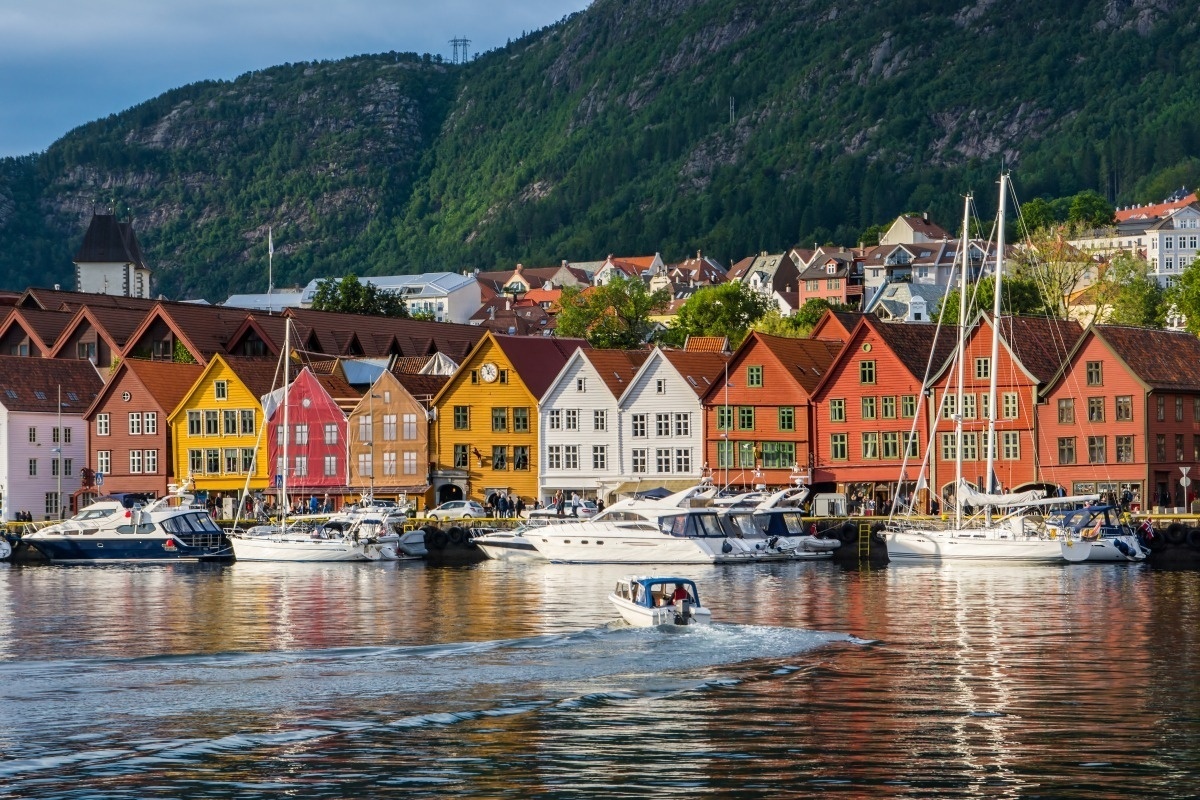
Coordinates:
[767,273]
[438,296]
[389,440]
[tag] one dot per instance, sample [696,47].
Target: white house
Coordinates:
[442,296]
[43,438]
[581,427]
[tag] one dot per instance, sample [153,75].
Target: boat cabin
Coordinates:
[656,592]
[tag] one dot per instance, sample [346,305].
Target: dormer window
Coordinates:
[831,269]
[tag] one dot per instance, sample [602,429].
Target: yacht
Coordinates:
[358,542]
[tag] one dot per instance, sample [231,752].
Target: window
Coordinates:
[866,372]
[86,351]
[779,455]
[1179,447]
[102,428]
[462,418]
[150,461]
[554,420]
[1096,409]
[662,424]
[54,467]
[247,459]
[33,434]
[948,447]
[1010,405]
[366,468]
[1161,407]
[520,420]
[746,418]
[221,390]
[212,461]
[331,433]
[754,376]
[1160,446]
[331,468]
[787,418]
[746,454]
[104,461]
[300,433]
[581,384]
[68,464]
[231,422]
[837,446]
[1196,409]
[724,454]
[389,463]
[638,460]
[410,427]
[571,419]
[135,462]
[461,455]
[499,457]
[870,445]
[1095,373]
[638,424]
[571,456]
[683,460]
[500,420]
[662,460]
[985,409]
[1066,450]
[410,462]
[1124,449]
[521,456]
[554,456]
[1012,445]
[891,445]
[949,406]
[724,418]
[1066,409]
[983,368]
[195,461]
[908,406]
[52,504]
[660,386]
[887,407]
[599,457]
[33,467]
[212,423]
[912,444]
[968,407]
[503,378]
[868,408]
[1096,454]
[389,427]
[1179,408]
[231,458]
[970,446]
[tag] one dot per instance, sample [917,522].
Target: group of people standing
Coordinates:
[504,505]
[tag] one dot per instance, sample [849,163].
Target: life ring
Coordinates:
[1193,538]
[456,535]
[437,539]
[848,533]
[1176,533]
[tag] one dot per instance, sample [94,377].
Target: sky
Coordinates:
[64,63]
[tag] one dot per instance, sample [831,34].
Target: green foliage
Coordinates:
[349,295]
[1137,297]
[1184,296]
[727,309]
[1090,210]
[1021,296]
[181,355]
[614,316]
[801,323]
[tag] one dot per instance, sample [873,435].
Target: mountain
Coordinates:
[635,126]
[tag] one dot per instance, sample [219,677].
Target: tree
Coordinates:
[615,315]
[1022,296]
[1184,297]
[1136,296]
[801,323]
[1091,210]
[728,309]
[349,295]
[1055,267]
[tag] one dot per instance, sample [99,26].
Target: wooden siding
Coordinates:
[120,441]
[563,397]
[644,398]
[391,400]
[309,409]
[24,492]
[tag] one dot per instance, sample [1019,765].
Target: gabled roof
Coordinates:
[59,300]
[806,361]
[835,325]
[114,325]
[385,336]
[422,387]
[707,344]
[699,370]
[616,368]
[33,384]
[43,327]
[342,393]
[1040,344]
[167,382]
[912,342]
[1154,210]
[110,241]
[537,359]
[1163,360]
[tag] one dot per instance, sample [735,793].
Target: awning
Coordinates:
[636,487]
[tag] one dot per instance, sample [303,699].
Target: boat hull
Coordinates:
[90,549]
[1105,550]
[271,548]
[916,545]
[501,546]
[650,617]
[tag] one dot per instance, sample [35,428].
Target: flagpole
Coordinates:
[270,260]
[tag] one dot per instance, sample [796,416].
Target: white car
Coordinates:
[458,509]
[587,508]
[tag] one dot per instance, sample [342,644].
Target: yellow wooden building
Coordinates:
[485,438]
[217,427]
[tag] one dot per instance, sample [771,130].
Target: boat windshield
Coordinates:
[702,525]
[190,523]
[744,525]
[94,513]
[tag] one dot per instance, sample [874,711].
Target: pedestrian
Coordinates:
[502,506]
[558,502]
[313,504]
[599,504]
[575,503]
[520,506]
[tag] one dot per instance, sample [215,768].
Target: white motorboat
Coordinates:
[1096,533]
[5,548]
[170,528]
[359,542]
[645,601]
[507,545]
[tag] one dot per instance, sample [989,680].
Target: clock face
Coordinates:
[488,372]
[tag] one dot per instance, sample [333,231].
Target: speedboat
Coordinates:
[645,602]
[170,528]
[507,545]
[1096,533]
[359,542]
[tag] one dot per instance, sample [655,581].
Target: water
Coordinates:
[500,680]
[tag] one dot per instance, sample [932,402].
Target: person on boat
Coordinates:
[681,593]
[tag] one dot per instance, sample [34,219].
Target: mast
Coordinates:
[287,433]
[991,429]
[963,299]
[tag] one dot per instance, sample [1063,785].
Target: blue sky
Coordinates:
[64,63]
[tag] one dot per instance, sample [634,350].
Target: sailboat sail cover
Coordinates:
[973,497]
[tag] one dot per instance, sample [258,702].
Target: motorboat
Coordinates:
[5,548]
[785,532]
[358,542]
[645,602]
[1096,533]
[171,528]
[514,544]
[395,543]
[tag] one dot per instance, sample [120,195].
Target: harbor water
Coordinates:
[259,680]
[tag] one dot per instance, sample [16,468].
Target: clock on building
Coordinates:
[489,372]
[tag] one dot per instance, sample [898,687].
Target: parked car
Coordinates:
[458,509]
[587,509]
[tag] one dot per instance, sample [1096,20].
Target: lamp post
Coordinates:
[58,451]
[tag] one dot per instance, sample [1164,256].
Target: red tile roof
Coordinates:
[32,384]
[706,344]
[700,370]
[1164,360]
[806,360]
[537,359]
[617,368]
[1041,344]
[166,381]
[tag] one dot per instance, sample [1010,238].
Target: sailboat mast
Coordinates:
[287,350]
[991,429]
[963,299]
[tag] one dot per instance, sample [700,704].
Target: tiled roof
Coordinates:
[110,241]
[806,360]
[422,387]
[345,395]
[617,368]
[376,334]
[912,341]
[1155,210]
[923,226]
[1166,360]
[537,359]
[32,384]
[1040,343]
[409,364]
[58,300]
[257,374]
[45,326]
[166,381]
[117,323]
[700,370]
[706,344]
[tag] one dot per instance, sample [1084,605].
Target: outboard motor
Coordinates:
[683,612]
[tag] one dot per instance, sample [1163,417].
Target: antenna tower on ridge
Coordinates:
[462,53]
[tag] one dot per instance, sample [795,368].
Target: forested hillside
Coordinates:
[633,127]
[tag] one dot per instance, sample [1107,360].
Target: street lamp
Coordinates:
[58,452]
[371,445]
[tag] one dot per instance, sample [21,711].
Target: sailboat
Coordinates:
[358,542]
[1004,527]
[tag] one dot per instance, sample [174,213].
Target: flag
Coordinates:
[270,243]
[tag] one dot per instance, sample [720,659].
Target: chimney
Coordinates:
[925,217]
[508,304]
[491,312]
